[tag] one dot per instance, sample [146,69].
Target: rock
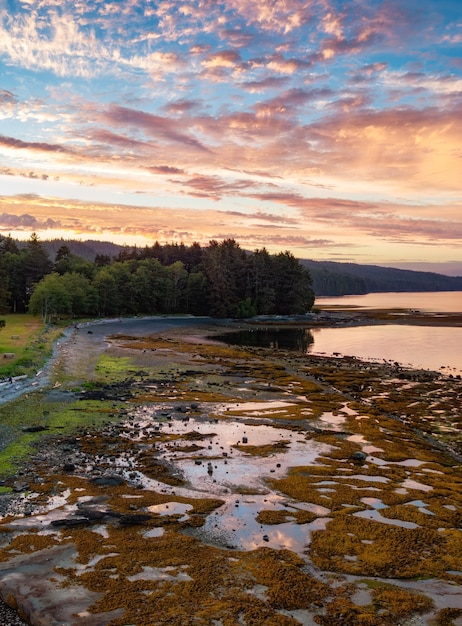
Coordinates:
[182,408]
[34,429]
[70,522]
[358,457]
[135,518]
[19,486]
[112,480]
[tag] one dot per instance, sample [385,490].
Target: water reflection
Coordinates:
[289,339]
[434,348]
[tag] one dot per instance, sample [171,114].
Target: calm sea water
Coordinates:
[427,347]
[435,348]
[440,301]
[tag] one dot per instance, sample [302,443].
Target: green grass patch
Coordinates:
[83,413]
[25,337]
[115,368]
[61,418]
[12,455]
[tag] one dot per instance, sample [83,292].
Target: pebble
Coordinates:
[9,617]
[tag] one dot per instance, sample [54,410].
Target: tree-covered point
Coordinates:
[220,280]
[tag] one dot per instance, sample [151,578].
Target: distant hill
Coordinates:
[85,249]
[341,279]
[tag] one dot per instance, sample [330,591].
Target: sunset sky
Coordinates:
[329,128]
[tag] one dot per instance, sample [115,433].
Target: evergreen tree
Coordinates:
[293,285]
[36,263]
[224,265]
[262,284]
[197,294]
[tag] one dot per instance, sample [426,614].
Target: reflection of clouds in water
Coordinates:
[217,468]
[236,521]
[413,484]
[236,468]
[375,515]
[171,508]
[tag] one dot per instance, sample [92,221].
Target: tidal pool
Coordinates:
[217,467]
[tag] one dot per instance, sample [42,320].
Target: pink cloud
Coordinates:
[165,169]
[223,59]
[271,82]
[18,144]
[154,125]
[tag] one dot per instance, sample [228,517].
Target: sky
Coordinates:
[329,128]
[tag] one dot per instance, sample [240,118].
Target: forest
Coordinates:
[221,280]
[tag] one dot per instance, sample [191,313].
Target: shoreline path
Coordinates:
[80,346]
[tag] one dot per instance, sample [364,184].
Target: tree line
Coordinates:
[221,280]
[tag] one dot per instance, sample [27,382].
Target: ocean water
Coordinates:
[434,301]
[421,347]
[428,347]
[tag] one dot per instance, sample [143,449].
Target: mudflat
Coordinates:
[173,479]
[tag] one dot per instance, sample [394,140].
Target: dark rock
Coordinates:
[34,429]
[70,522]
[358,457]
[108,480]
[19,486]
[91,513]
[135,518]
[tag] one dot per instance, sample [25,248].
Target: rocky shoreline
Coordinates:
[157,406]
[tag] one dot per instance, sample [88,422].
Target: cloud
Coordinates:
[56,44]
[284,241]
[6,97]
[223,59]
[18,144]
[278,63]
[283,17]
[181,107]
[165,169]
[25,222]
[155,126]
[270,218]
[270,82]
[113,139]
[382,220]
[215,187]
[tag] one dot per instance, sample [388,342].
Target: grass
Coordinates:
[29,340]
[56,417]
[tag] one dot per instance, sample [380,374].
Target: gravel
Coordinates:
[9,617]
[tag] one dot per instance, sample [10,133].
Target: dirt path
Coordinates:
[76,353]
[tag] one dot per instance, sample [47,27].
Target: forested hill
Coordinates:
[220,280]
[340,279]
[329,278]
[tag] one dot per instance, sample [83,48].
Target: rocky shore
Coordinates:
[170,470]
